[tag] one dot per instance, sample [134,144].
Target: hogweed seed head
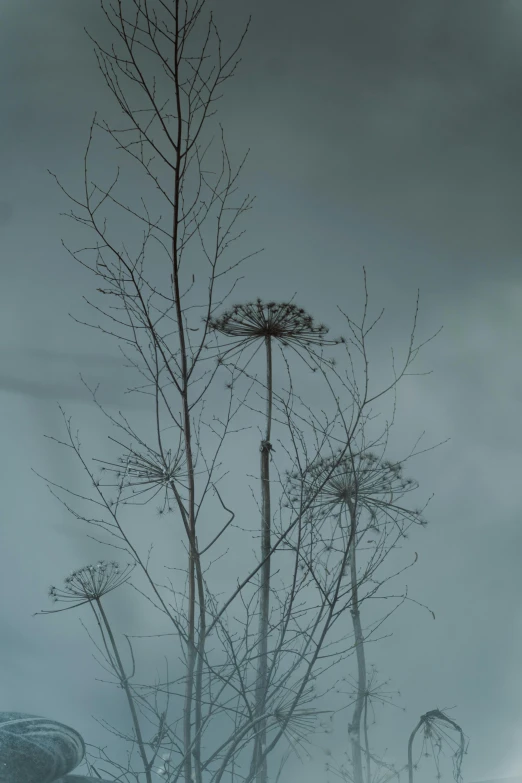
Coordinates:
[140,469]
[147,472]
[281,321]
[300,721]
[89,583]
[332,485]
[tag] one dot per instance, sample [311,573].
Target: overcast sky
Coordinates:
[383,134]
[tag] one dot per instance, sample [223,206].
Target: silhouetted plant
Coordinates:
[344,487]
[89,584]
[291,326]
[435,725]
[150,471]
[150,315]
[282,321]
[377,770]
[361,480]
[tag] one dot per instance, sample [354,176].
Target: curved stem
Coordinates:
[125,685]
[410,747]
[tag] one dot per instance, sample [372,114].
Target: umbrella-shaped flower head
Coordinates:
[286,322]
[147,472]
[89,583]
[332,485]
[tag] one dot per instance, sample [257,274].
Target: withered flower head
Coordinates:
[301,720]
[89,584]
[375,690]
[334,485]
[148,472]
[438,730]
[281,321]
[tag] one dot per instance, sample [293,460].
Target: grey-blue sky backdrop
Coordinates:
[381,133]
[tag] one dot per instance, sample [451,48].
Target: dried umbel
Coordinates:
[146,472]
[375,691]
[437,731]
[89,583]
[300,721]
[286,322]
[361,480]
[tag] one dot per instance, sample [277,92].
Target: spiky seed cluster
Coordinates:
[147,472]
[284,321]
[90,583]
[375,691]
[335,484]
[300,721]
[142,470]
